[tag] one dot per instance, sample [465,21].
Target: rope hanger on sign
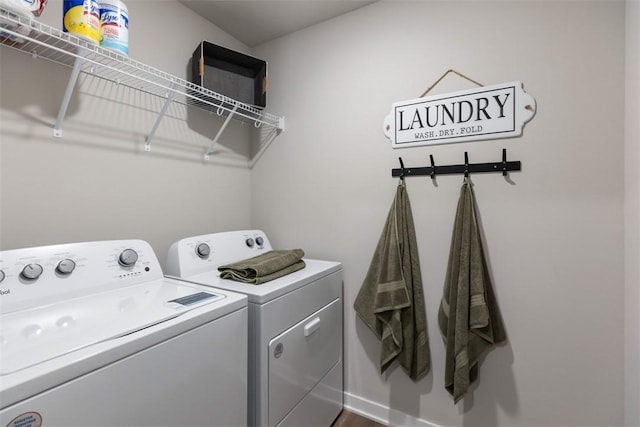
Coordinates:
[450,70]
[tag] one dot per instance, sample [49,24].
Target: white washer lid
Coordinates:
[265,292]
[33,336]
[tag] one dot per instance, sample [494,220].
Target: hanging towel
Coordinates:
[263,268]
[468,317]
[391,300]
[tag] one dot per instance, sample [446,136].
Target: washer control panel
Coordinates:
[199,254]
[47,274]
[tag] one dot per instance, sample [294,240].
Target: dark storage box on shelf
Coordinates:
[230,73]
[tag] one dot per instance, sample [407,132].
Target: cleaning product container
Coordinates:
[82,18]
[114,25]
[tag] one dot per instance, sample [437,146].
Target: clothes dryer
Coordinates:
[92,334]
[295,328]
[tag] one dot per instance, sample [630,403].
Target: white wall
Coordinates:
[632,215]
[96,182]
[554,235]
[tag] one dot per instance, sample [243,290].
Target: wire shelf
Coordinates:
[28,35]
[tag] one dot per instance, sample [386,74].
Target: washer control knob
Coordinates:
[128,258]
[31,271]
[203,250]
[1,275]
[259,241]
[66,266]
[249,242]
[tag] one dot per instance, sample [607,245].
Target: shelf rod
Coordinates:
[170,96]
[75,72]
[222,128]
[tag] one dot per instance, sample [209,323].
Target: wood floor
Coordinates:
[349,419]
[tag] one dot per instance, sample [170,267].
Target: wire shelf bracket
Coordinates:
[170,97]
[214,142]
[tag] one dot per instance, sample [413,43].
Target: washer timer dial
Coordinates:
[31,271]
[128,258]
[203,250]
[66,266]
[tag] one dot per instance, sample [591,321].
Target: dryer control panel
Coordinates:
[32,277]
[199,254]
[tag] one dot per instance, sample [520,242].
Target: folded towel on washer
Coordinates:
[391,299]
[265,267]
[469,318]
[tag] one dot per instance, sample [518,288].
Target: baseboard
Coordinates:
[382,414]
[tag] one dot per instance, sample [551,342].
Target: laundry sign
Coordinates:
[487,112]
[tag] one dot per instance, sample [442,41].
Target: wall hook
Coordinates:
[433,167]
[504,162]
[401,169]
[466,165]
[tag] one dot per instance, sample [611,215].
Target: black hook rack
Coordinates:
[467,168]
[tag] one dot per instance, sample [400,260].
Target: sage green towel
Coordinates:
[391,300]
[263,268]
[468,317]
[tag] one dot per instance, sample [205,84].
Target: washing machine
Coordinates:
[93,334]
[295,328]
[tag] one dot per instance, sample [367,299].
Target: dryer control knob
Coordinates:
[249,242]
[259,241]
[203,250]
[66,266]
[128,258]
[31,271]
[1,275]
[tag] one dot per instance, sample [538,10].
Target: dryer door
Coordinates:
[301,356]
